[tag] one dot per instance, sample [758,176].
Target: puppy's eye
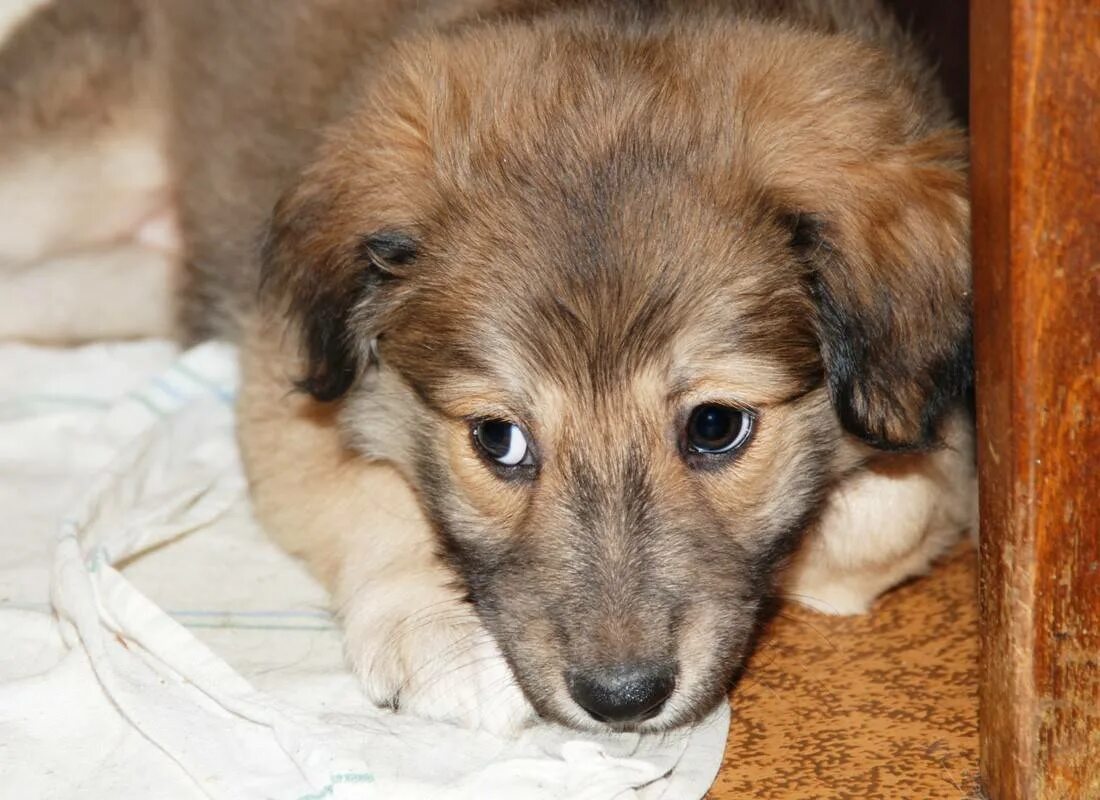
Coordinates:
[714,429]
[502,441]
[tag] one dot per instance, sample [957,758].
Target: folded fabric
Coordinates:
[157,645]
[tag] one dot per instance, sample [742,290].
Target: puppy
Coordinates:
[608,322]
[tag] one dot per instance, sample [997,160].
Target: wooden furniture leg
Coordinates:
[1035,123]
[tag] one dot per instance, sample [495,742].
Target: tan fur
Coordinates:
[886,524]
[360,529]
[586,219]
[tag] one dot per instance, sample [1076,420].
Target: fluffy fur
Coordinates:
[585,219]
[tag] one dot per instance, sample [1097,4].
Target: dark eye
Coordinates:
[502,441]
[713,429]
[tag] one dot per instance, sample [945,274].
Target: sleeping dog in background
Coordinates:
[572,332]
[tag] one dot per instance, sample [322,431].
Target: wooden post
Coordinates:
[1035,120]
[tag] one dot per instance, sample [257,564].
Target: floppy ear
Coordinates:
[339,241]
[325,276]
[886,245]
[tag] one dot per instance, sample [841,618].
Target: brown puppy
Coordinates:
[636,299]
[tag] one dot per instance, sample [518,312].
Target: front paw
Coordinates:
[424,652]
[841,596]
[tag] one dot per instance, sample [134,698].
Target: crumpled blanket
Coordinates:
[156,645]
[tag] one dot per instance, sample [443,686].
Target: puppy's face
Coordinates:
[614,413]
[616,347]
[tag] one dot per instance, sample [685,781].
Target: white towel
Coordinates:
[156,645]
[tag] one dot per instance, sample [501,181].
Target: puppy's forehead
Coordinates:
[611,262]
[601,253]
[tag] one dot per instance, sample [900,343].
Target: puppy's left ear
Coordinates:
[886,245]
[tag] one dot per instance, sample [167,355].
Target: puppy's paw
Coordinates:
[837,596]
[424,652]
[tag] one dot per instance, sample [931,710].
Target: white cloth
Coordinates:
[157,645]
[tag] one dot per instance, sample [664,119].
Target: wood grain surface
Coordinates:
[863,708]
[1035,119]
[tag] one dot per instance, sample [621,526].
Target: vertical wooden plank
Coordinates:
[1035,123]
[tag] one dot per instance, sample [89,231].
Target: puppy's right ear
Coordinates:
[340,239]
[331,278]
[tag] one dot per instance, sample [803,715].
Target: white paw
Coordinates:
[423,651]
[836,598]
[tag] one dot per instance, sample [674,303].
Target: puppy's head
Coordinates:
[618,307]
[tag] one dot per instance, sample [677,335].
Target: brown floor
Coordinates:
[883,706]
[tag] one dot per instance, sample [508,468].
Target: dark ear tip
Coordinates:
[921,440]
[332,365]
[326,388]
[331,360]
[874,415]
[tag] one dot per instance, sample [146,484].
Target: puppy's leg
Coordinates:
[82,170]
[886,524]
[410,635]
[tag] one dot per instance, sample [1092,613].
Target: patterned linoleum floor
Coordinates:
[883,706]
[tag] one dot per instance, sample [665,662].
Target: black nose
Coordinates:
[624,692]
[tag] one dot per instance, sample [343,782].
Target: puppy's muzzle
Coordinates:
[622,693]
